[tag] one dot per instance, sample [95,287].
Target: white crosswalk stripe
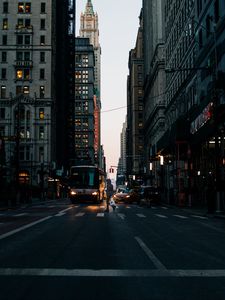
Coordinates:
[122,216]
[80,214]
[181,217]
[199,217]
[161,216]
[101,215]
[141,215]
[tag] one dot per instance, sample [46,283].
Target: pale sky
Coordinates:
[118,26]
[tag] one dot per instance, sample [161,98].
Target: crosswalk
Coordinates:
[156,212]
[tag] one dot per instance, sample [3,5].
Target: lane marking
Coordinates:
[81,214]
[101,215]
[161,216]
[141,215]
[199,217]
[128,207]
[181,217]
[21,215]
[164,207]
[111,273]
[63,212]
[157,263]
[60,214]
[23,227]
[122,216]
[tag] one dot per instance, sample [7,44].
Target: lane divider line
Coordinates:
[23,227]
[157,263]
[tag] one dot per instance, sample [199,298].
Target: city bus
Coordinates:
[86,183]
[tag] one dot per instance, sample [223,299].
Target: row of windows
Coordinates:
[23,39]
[23,23]
[21,90]
[23,7]
[22,74]
[24,115]
[23,56]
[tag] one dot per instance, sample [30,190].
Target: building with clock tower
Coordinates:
[89,29]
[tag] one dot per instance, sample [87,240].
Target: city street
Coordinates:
[61,251]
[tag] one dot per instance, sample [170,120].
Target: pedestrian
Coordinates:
[112,204]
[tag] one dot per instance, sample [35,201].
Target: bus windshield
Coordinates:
[84,178]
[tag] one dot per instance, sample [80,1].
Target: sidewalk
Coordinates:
[200,211]
[34,201]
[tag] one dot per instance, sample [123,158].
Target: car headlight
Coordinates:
[128,196]
[73,193]
[95,193]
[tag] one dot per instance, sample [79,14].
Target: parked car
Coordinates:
[149,195]
[125,195]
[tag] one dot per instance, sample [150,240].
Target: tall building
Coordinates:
[154,84]
[135,142]
[36,86]
[89,29]
[84,102]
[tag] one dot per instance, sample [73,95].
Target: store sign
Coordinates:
[204,117]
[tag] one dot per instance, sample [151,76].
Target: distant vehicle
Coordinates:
[125,195]
[86,183]
[149,195]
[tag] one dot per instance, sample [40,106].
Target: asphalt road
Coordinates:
[63,251]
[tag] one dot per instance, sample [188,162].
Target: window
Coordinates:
[42,73]
[42,27]
[41,154]
[3,91]
[4,56]
[3,73]
[41,132]
[26,90]
[5,7]
[23,23]
[43,7]
[42,40]
[26,56]
[2,113]
[24,7]
[42,56]
[42,91]
[41,113]
[19,39]
[4,40]
[19,90]
[5,24]
[27,40]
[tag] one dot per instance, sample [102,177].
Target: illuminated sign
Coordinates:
[204,117]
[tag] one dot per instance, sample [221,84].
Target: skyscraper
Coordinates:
[89,29]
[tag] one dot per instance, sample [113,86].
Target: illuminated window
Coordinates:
[26,90]
[3,91]
[24,7]
[41,113]
[42,91]
[5,24]
[41,132]
[19,74]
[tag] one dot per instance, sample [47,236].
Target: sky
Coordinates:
[118,27]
